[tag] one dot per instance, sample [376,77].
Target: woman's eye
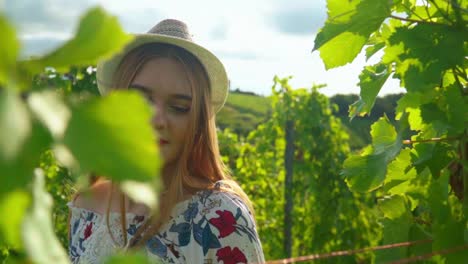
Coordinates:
[179,109]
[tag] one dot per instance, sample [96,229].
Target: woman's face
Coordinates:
[164,83]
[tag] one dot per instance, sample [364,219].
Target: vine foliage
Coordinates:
[324,214]
[55,129]
[422,181]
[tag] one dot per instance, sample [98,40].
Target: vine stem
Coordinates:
[409,141]
[442,12]
[416,21]
[464,158]
[460,85]
[412,12]
[458,15]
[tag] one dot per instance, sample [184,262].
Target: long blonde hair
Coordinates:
[200,164]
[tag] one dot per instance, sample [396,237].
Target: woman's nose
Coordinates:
[159,119]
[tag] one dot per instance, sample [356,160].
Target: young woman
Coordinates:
[204,216]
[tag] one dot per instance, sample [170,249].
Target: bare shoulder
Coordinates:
[95,197]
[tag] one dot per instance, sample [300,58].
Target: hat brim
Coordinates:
[214,68]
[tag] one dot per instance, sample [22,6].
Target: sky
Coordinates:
[255,40]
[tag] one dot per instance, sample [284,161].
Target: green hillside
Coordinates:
[244,111]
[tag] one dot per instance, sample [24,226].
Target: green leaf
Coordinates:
[377,40]
[394,231]
[435,156]
[51,111]
[15,124]
[457,109]
[396,228]
[393,206]
[349,25]
[447,228]
[423,52]
[371,81]
[99,36]
[364,173]
[415,120]
[417,233]
[415,188]
[373,49]
[408,100]
[383,135]
[399,174]
[37,230]
[9,49]
[432,114]
[113,137]
[138,257]
[367,172]
[16,173]
[15,204]
[439,189]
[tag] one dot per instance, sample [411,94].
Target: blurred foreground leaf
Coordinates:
[37,231]
[112,136]
[99,36]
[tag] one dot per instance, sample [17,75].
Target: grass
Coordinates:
[243,112]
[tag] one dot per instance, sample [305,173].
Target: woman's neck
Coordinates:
[168,173]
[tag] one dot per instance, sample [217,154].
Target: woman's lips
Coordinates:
[163,142]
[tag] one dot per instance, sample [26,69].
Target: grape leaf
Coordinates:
[417,233]
[423,52]
[383,135]
[133,257]
[408,100]
[15,204]
[432,114]
[37,231]
[9,49]
[457,109]
[434,156]
[415,120]
[51,111]
[367,172]
[377,40]
[349,24]
[399,172]
[394,231]
[112,136]
[371,50]
[99,35]
[16,173]
[447,229]
[15,124]
[393,206]
[371,81]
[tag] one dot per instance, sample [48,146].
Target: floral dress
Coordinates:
[211,227]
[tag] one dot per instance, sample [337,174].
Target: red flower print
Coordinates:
[139,218]
[229,256]
[88,230]
[224,223]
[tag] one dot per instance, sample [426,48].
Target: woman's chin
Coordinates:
[165,156]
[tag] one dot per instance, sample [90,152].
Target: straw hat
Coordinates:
[175,32]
